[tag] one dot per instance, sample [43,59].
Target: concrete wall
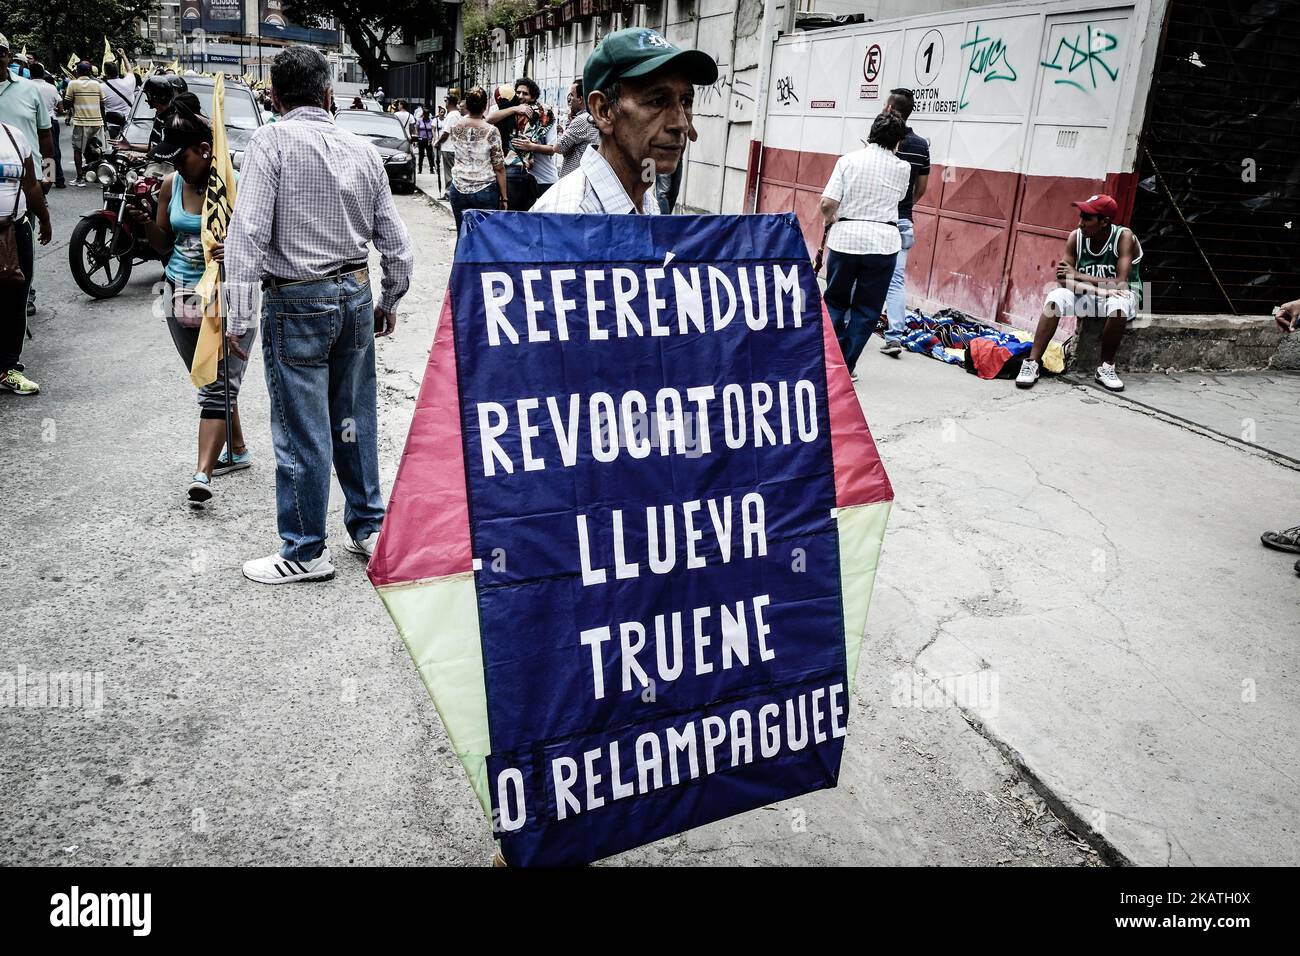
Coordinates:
[886,9]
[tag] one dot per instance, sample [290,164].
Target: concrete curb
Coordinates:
[1079,379]
[427,185]
[1183,342]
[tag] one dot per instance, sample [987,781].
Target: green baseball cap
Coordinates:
[638,52]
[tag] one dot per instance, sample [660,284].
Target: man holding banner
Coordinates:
[640,93]
[634,533]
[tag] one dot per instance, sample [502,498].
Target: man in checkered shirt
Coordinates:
[311,198]
[860,208]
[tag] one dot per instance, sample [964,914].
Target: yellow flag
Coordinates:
[73,60]
[218,202]
[108,55]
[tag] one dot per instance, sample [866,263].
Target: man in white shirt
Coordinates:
[403,114]
[118,93]
[53,101]
[641,94]
[543,168]
[860,209]
[447,152]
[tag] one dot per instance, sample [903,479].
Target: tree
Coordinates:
[370,25]
[54,30]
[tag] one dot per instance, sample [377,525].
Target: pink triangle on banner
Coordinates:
[859,473]
[426,531]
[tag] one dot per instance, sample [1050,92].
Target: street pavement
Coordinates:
[1090,568]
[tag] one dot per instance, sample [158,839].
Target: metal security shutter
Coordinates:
[1218,204]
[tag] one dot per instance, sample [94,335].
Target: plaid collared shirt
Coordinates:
[311,197]
[868,184]
[593,187]
[573,142]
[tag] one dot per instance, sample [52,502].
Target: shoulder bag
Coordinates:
[11,269]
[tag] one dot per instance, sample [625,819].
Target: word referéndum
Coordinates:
[639,306]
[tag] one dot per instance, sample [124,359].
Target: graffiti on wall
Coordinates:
[988,60]
[1086,51]
[785,93]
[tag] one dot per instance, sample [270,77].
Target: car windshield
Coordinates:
[365,123]
[241,110]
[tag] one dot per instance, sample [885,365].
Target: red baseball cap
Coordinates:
[1099,206]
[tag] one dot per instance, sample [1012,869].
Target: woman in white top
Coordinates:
[19,193]
[478,177]
[860,209]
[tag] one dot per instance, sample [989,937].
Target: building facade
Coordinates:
[1027,106]
[238,37]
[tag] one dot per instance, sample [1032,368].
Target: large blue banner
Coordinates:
[652,512]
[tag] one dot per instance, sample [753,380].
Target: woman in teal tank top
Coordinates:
[176,231]
[186,264]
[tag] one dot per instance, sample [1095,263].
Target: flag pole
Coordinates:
[225,363]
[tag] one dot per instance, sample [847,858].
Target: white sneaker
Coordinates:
[274,569]
[365,546]
[1107,378]
[1028,374]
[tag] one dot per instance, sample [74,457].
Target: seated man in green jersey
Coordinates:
[1099,276]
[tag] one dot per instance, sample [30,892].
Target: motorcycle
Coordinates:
[108,243]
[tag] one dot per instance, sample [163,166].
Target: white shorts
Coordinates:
[1064,302]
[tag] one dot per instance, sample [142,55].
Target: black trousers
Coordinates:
[521,189]
[13,302]
[58,154]
[423,148]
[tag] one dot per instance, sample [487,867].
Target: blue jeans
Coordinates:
[855,295]
[487,198]
[318,344]
[896,300]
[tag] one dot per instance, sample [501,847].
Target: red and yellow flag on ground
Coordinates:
[218,203]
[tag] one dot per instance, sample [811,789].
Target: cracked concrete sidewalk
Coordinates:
[1099,562]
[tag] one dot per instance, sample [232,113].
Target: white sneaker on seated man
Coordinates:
[1099,276]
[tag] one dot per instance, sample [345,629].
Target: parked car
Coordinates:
[387,134]
[243,115]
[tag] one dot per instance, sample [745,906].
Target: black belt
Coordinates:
[883,222]
[275,282]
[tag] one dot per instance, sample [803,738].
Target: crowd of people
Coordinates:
[498,150]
